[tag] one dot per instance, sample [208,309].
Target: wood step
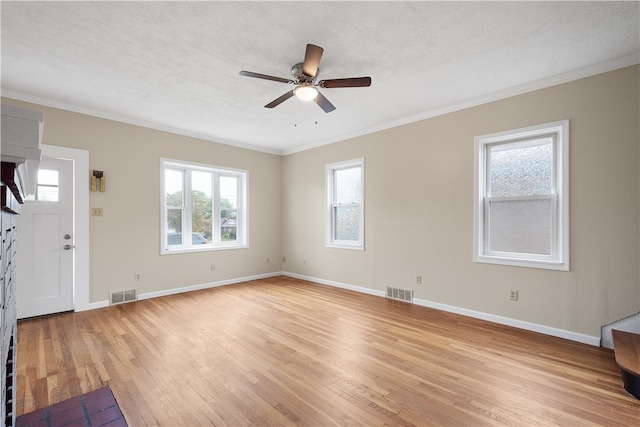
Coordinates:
[626,346]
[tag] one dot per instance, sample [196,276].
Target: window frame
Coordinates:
[242,211]
[559,256]
[331,204]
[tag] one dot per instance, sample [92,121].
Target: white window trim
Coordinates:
[329,173]
[242,240]
[559,259]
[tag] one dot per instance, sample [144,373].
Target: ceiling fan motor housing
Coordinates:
[298,72]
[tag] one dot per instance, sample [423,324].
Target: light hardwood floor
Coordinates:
[282,351]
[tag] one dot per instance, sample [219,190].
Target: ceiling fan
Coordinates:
[305,74]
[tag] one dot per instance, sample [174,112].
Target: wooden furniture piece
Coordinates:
[626,346]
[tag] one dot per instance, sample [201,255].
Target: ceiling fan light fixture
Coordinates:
[306,92]
[304,79]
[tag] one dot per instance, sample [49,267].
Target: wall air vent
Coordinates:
[400,294]
[120,297]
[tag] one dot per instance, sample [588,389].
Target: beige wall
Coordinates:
[419,209]
[126,240]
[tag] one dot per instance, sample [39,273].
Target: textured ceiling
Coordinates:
[174,65]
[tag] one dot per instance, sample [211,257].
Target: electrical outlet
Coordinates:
[96,212]
[419,279]
[137,277]
[268,260]
[284,258]
[513,295]
[213,267]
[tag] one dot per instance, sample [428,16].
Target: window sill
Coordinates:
[203,248]
[354,247]
[523,262]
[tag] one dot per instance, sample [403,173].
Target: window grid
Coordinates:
[345,204]
[523,220]
[196,203]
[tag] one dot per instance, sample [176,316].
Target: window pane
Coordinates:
[173,184]
[174,238]
[174,225]
[201,207]
[523,169]
[47,186]
[523,226]
[173,180]
[48,177]
[228,192]
[228,208]
[348,186]
[347,223]
[228,225]
[46,193]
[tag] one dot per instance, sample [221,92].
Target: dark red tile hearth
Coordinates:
[94,409]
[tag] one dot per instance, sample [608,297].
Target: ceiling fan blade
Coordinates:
[265,77]
[324,103]
[349,82]
[279,100]
[312,60]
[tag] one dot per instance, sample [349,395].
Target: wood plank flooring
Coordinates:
[282,351]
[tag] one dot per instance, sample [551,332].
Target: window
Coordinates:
[47,187]
[522,197]
[203,207]
[345,204]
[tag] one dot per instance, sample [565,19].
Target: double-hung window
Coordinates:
[522,197]
[203,207]
[345,204]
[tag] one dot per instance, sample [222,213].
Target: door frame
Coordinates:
[80,218]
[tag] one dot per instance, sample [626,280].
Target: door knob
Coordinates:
[67,247]
[67,236]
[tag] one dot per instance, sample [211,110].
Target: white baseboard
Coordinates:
[173,291]
[521,324]
[93,305]
[547,330]
[335,284]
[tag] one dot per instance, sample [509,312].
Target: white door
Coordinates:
[45,252]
